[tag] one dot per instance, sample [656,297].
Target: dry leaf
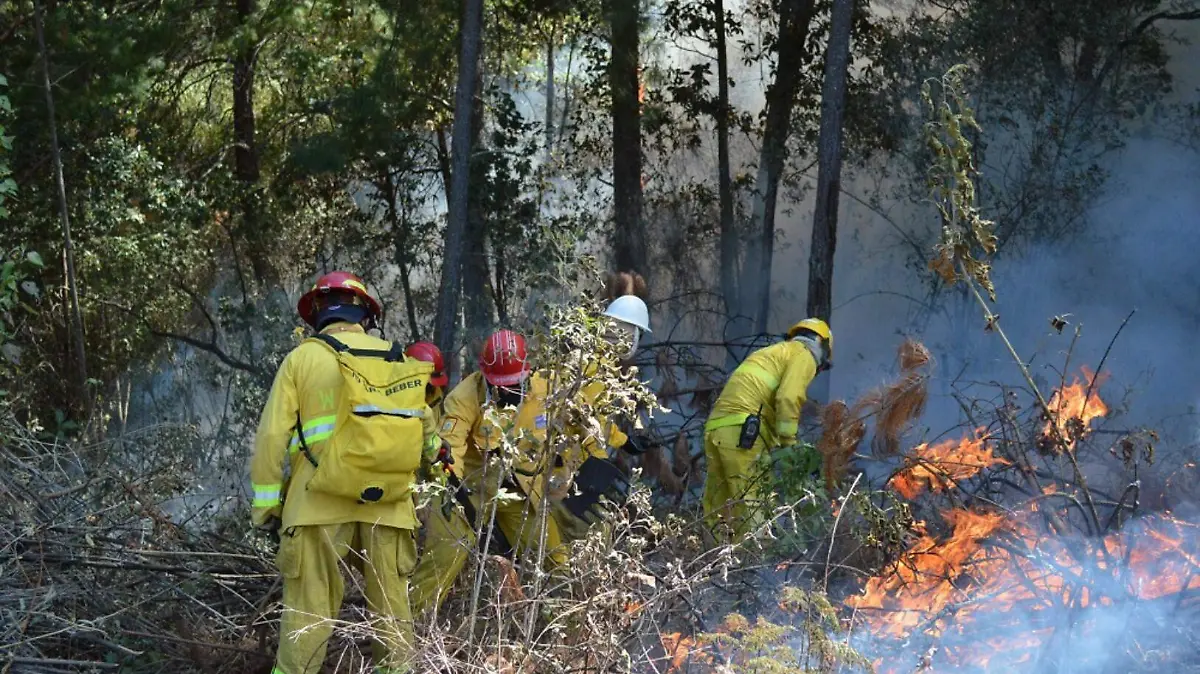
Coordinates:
[681,456]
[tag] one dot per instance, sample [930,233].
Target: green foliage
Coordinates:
[967,239]
[18,270]
[795,475]
[1060,97]
[806,644]
[8,186]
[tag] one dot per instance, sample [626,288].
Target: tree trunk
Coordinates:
[76,317]
[795,16]
[829,162]
[476,272]
[499,285]
[629,249]
[729,237]
[549,94]
[401,232]
[245,151]
[829,173]
[446,320]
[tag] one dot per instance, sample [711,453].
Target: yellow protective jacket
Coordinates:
[776,378]
[471,436]
[309,384]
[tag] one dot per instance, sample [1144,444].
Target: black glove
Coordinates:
[271,528]
[596,478]
[638,443]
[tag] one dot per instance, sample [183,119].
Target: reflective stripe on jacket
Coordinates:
[775,378]
[307,388]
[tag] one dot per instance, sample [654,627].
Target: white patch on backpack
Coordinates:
[540,421]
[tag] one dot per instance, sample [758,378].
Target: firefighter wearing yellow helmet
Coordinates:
[759,409]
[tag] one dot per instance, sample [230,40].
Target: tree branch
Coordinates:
[212,348]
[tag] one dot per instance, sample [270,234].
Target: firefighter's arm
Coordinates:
[275,429]
[460,415]
[430,430]
[610,434]
[798,373]
[431,442]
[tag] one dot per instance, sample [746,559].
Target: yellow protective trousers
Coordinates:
[736,491]
[449,542]
[311,558]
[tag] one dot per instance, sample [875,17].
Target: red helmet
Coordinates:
[336,280]
[503,361]
[428,352]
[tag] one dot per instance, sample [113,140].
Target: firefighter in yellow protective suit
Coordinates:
[758,409]
[630,319]
[507,388]
[332,472]
[502,382]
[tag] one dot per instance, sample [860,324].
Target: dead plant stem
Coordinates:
[994,321]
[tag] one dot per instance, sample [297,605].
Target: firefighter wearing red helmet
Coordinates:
[333,498]
[515,395]
[435,391]
[339,296]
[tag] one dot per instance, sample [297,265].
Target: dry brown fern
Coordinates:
[681,456]
[655,464]
[898,404]
[842,431]
[622,283]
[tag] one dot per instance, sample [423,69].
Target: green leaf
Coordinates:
[35,259]
[3,81]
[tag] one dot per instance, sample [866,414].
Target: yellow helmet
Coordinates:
[818,326]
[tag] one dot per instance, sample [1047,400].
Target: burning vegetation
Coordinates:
[1024,575]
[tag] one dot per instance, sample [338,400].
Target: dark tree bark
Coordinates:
[401,232]
[476,271]
[446,320]
[245,151]
[76,316]
[550,46]
[795,16]
[729,236]
[629,240]
[829,162]
[829,174]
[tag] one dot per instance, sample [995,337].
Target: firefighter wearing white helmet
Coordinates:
[758,410]
[630,313]
[598,474]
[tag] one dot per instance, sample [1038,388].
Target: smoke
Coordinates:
[1136,252]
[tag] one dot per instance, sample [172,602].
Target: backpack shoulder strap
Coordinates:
[395,354]
[332,343]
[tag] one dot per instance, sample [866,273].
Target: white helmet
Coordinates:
[630,309]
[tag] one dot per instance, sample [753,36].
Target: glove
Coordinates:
[571,527]
[638,443]
[270,527]
[596,478]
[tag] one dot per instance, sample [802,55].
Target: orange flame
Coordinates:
[943,465]
[924,580]
[993,562]
[1074,410]
[681,650]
